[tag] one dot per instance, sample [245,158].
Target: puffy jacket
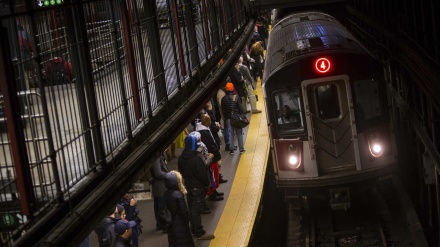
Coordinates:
[230,105]
[179,233]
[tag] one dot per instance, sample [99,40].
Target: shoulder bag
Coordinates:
[238,119]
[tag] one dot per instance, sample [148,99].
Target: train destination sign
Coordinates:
[322,65]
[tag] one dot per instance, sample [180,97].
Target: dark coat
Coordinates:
[193,168]
[229,105]
[210,143]
[106,231]
[238,80]
[258,56]
[179,233]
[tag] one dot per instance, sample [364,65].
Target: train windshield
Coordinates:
[328,101]
[289,111]
[367,99]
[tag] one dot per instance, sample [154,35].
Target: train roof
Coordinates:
[304,33]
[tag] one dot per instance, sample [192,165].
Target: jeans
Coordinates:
[238,132]
[196,203]
[226,132]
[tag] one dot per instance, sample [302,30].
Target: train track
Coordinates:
[381,217]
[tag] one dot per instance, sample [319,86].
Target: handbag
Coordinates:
[239,120]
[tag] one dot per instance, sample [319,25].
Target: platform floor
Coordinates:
[232,219]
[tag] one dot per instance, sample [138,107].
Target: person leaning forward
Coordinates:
[196,180]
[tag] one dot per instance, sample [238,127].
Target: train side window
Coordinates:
[367,99]
[328,101]
[288,111]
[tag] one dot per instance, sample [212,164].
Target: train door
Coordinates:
[330,123]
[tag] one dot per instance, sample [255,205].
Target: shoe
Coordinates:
[231,152]
[219,193]
[256,111]
[222,181]
[216,198]
[247,111]
[242,151]
[227,147]
[206,236]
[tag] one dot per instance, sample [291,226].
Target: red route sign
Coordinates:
[322,65]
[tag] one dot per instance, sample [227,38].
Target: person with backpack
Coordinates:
[106,228]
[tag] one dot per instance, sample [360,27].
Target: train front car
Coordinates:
[327,110]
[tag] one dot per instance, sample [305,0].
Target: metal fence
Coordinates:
[83,78]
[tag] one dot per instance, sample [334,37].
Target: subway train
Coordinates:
[327,111]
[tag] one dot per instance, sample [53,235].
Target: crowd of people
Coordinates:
[180,195]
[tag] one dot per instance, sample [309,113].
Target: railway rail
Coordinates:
[381,217]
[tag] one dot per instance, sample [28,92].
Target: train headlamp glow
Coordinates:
[288,155]
[375,145]
[294,161]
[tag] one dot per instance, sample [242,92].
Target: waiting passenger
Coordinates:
[106,228]
[232,103]
[179,233]
[132,214]
[196,180]
[158,170]
[250,85]
[210,143]
[123,230]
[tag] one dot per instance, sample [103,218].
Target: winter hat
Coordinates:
[229,86]
[191,143]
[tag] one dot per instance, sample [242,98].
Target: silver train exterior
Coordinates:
[327,108]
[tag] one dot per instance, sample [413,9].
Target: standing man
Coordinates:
[250,84]
[196,179]
[231,103]
[159,170]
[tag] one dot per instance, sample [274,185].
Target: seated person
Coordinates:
[287,116]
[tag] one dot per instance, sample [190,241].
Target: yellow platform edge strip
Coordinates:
[236,222]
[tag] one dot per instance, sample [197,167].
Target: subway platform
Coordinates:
[230,220]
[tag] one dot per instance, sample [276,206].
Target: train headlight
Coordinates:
[288,155]
[294,157]
[293,161]
[375,145]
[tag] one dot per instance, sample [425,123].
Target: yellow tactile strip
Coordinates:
[235,225]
